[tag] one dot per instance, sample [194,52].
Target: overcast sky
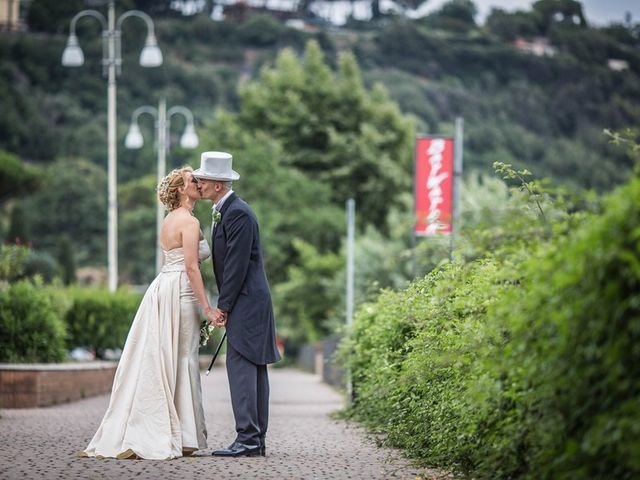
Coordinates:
[597,11]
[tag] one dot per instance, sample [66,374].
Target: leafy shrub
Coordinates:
[16,178]
[306,300]
[520,365]
[260,31]
[565,390]
[98,319]
[12,261]
[30,329]
[412,352]
[41,263]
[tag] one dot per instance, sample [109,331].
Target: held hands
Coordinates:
[216,317]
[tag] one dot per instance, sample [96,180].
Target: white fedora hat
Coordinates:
[216,166]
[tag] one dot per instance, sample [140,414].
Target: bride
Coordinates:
[155,410]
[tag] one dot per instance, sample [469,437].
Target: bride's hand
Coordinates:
[211,315]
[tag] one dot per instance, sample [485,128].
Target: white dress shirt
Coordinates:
[217,206]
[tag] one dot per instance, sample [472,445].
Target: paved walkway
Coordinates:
[303,441]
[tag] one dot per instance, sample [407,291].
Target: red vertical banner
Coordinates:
[433,185]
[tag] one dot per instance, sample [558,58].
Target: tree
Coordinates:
[51,16]
[564,11]
[66,261]
[290,205]
[332,128]
[509,25]
[16,178]
[73,200]
[460,12]
[308,299]
[18,230]
[137,202]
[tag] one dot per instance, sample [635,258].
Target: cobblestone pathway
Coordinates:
[303,441]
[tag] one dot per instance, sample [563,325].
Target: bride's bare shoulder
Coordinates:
[184,217]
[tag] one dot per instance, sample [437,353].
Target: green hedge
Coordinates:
[30,328]
[38,322]
[517,366]
[98,319]
[565,390]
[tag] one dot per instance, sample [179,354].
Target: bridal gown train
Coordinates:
[155,410]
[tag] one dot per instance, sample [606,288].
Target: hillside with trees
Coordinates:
[313,117]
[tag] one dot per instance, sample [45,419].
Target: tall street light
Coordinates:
[134,140]
[151,56]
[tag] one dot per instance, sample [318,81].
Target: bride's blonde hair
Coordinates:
[168,188]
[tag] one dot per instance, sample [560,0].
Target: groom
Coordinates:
[244,303]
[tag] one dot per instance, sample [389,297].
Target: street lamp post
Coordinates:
[134,139]
[151,56]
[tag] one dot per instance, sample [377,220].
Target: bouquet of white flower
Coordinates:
[206,331]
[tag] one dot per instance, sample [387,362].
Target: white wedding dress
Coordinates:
[155,410]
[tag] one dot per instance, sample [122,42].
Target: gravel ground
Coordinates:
[303,442]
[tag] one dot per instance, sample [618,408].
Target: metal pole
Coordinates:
[457,177]
[414,259]
[351,228]
[162,166]
[351,214]
[112,157]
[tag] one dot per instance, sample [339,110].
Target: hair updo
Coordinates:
[168,192]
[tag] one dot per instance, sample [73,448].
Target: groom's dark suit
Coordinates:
[245,296]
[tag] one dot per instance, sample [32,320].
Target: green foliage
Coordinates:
[568,12]
[289,204]
[18,229]
[42,264]
[16,178]
[412,351]
[73,201]
[307,299]
[313,129]
[66,261]
[12,261]
[588,46]
[98,319]
[521,364]
[137,232]
[572,401]
[48,16]
[629,138]
[261,31]
[510,25]
[546,112]
[30,328]
[499,219]
[454,15]
[332,128]
[531,187]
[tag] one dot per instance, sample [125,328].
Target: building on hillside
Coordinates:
[241,10]
[315,14]
[617,65]
[539,46]
[10,15]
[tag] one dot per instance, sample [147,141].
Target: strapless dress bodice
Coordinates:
[174,258]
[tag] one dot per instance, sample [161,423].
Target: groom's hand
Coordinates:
[220,318]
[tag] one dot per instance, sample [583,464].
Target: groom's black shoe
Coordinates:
[237,449]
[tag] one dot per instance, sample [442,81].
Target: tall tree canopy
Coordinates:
[332,128]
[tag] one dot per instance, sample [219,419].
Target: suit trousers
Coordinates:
[249,386]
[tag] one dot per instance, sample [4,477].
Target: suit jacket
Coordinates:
[242,283]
